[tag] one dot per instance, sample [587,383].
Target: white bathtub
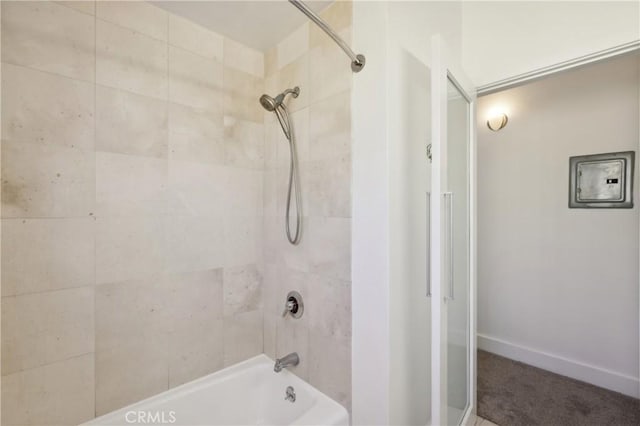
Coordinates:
[248,393]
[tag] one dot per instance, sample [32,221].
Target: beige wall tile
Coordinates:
[190,36]
[243,191]
[272,88]
[330,367]
[242,289]
[195,148]
[47,181]
[282,190]
[329,69]
[296,73]
[327,184]
[329,307]
[338,15]
[328,187]
[242,239]
[269,327]
[242,92]
[61,393]
[269,204]
[242,337]
[198,189]
[273,137]
[195,135]
[329,240]
[330,128]
[170,188]
[190,121]
[80,5]
[46,109]
[196,340]
[46,254]
[243,58]
[293,336]
[195,81]
[278,250]
[128,374]
[42,328]
[129,248]
[130,185]
[244,143]
[140,16]
[49,37]
[194,243]
[131,61]
[271,229]
[195,350]
[323,129]
[271,62]
[126,309]
[127,123]
[294,46]
[272,299]
[131,342]
[300,121]
[196,296]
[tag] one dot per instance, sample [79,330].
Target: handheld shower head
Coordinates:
[270,104]
[277,106]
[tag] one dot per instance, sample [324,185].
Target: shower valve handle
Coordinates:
[293,305]
[290,306]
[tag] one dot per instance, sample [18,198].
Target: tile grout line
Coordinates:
[95,203]
[165,222]
[59,361]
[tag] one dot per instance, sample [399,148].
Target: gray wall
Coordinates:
[559,286]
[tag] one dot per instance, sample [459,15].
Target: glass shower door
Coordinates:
[456,207]
[453,349]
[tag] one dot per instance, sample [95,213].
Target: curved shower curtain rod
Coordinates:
[357,61]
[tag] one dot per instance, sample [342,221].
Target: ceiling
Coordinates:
[257,24]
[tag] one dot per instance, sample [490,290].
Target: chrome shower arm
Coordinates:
[357,60]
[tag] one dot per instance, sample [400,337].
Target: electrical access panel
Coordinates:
[601,180]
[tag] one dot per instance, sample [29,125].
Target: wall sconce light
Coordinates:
[497,121]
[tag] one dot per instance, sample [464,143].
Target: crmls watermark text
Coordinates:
[150,417]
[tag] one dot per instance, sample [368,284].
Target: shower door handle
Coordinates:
[428,263]
[449,196]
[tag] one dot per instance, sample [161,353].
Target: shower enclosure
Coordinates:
[143,194]
[432,261]
[451,252]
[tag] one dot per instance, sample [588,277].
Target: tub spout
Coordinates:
[288,360]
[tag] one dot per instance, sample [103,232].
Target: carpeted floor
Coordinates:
[511,393]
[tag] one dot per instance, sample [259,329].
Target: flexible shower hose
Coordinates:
[294,179]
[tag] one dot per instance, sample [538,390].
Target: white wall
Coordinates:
[558,287]
[504,39]
[370,226]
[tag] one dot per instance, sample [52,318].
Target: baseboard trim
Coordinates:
[607,379]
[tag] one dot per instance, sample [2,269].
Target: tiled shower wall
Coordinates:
[132,198]
[320,267]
